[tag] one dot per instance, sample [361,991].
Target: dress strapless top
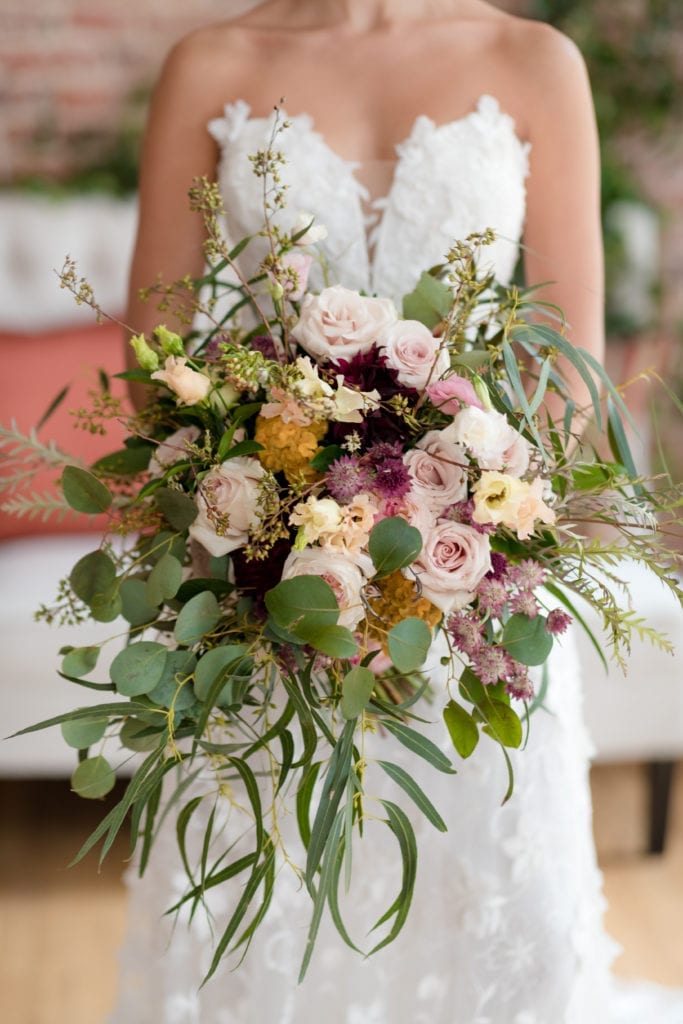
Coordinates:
[449,180]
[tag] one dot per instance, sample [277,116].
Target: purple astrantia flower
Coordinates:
[347,476]
[519,684]
[392,479]
[492,596]
[492,664]
[558,621]
[527,575]
[214,349]
[499,566]
[466,630]
[462,512]
[382,450]
[264,344]
[524,603]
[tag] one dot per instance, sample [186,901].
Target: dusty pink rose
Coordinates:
[227,502]
[346,578]
[453,561]
[189,385]
[411,349]
[340,323]
[449,394]
[436,467]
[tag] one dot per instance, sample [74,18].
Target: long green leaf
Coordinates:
[336,781]
[400,825]
[303,801]
[329,855]
[416,794]
[419,745]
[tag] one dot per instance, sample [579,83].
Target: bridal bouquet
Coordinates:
[311,495]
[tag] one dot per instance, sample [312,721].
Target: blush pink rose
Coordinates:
[438,475]
[228,505]
[453,562]
[189,385]
[449,394]
[340,323]
[172,450]
[411,349]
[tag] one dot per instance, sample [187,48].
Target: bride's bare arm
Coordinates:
[563,229]
[177,147]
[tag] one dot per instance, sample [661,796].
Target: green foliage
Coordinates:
[409,642]
[393,545]
[527,640]
[93,778]
[84,492]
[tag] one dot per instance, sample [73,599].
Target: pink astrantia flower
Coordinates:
[558,621]
[451,394]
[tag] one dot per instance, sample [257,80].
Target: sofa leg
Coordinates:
[661,775]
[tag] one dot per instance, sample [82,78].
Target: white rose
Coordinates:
[346,578]
[412,350]
[189,385]
[227,499]
[487,435]
[172,450]
[453,561]
[339,323]
[437,471]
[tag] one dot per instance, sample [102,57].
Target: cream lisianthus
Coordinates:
[500,498]
[316,518]
[349,404]
[189,385]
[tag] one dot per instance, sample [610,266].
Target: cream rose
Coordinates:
[189,385]
[172,450]
[227,500]
[345,577]
[487,436]
[453,561]
[411,349]
[438,475]
[339,323]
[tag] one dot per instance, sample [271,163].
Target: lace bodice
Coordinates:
[449,180]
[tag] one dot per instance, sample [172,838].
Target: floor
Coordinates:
[60,927]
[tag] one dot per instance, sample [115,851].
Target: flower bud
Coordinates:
[482,392]
[146,356]
[171,343]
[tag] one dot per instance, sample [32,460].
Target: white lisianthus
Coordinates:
[411,349]
[349,404]
[439,477]
[316,517]
[189,385]
[489,438]
[454,559]
[172,449]
[340,323]
[314,233]
[346,578]
[228,503]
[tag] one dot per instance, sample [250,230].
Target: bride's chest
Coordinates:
[447,181]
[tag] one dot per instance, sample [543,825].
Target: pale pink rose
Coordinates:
[453,562]
[189,385]
[451,393]
[411,349]
[414,510]
[228,501]
[339,323]
[532,508]
[346,578]
[294,277]
[172,450]
[487,435]
[437,471]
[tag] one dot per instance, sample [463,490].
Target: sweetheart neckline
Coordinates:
[485,105]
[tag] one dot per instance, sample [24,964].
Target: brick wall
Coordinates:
[74,72]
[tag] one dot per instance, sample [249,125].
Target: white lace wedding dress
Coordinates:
[506,923]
